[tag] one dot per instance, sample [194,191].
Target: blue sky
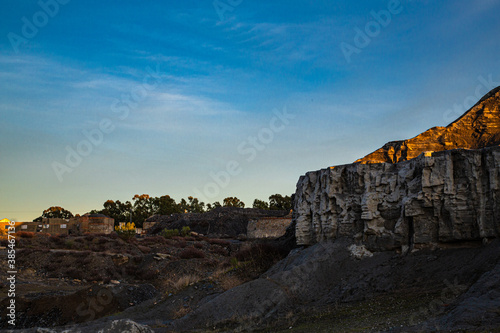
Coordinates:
[182,88]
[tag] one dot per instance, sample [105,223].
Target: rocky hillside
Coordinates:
[477,128]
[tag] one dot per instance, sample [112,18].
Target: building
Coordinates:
[89,223]
[58,227]
[19,226]
[94,223]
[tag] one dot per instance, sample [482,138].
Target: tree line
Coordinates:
[143,206]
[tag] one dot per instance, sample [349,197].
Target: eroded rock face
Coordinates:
[436,198]
[478,128]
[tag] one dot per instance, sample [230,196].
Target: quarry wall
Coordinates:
[433,199]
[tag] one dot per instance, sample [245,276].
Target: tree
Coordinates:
[279,202]
[183,206]
[193,206]
[116,210]
[233,202]
[54,212]
[196,206]
[167,205]
[144,207]
[259,204]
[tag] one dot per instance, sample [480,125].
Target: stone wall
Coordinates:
[96,224]
[441,197]
[268,227]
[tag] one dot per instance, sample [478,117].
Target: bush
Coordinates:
[126,232]
[219,250]
[55,239]
[185,231]
[191,253]
[169,233]
[180,244]
[220,242]
[25,234]
[153,240]
[198,245]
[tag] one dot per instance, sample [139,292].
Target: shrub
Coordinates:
[55,239]
[234,263]
[185,231]
[191,253]
[180,244]
[169,233]
[220,242]
[126,232]
[198,245]
[153,240]
[69,244]
[218,250]
[25,234]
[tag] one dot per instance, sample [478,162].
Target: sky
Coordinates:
[107,99]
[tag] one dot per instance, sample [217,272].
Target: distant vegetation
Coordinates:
[54,212]
[169,233]
[144,206]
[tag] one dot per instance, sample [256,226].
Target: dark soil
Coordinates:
[322,288]
[73,279]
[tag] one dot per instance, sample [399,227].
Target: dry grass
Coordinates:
[185,281]
[229,281]
[181,312]
[226,278]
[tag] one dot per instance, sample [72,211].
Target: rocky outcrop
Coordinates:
[219,222]
[434,199]
[478,128]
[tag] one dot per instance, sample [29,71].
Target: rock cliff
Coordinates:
[437,198]
[477,128]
